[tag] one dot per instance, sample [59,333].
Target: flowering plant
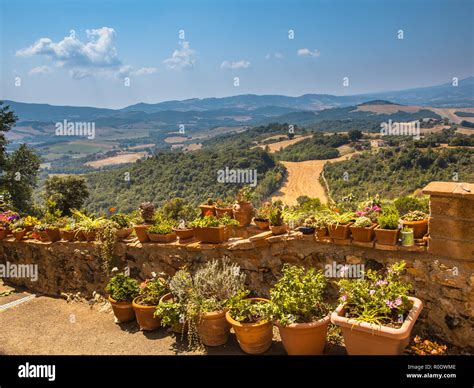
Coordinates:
[8,217]
[380,298]
[371,212]
[151,291]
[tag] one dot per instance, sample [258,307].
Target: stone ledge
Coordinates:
[450,189]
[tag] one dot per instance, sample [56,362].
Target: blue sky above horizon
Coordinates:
[250,40]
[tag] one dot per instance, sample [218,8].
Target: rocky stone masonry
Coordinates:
[442,279]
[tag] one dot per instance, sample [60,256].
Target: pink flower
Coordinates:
[381,283]
[398,301]
[344,298]
[372,292]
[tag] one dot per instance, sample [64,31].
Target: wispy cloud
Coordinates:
[145,71]
[97,56]
[305,52]
[242,64]
[182,58]
[40,70]
[276,55]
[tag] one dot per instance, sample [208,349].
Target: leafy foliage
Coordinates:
[122,288]
[69,192]
[152,290]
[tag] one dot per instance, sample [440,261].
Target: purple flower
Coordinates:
[398,302]
[372,292]
[390,304]
[381,283]
[344,298]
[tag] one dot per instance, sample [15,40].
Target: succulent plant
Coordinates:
[147,210]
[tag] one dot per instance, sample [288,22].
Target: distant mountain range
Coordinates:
[247,108]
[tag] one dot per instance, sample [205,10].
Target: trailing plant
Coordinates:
[362,222]
[379,297]
[298,296]
[152,290]
[107,236]
[415,215]
[122,288]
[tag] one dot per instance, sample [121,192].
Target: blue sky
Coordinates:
[226,39]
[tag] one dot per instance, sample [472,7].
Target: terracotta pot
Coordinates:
[184,234]
[79,235]
[19,234]
[261,223]
[123,311]
[90,236]
[223,211]
[420,228]
[305,338]
[386,236]
[322,233]
[3,233]
[280,229]
[43,236]
[340,232]
[162,238]
[53,234]
[140,231]
[122,234]
[178,328]
[214,329]
[67,235]
[208,210]
[253,338]
[144,314]
[29,228]
[211,234]
[243,212]
[362,338]
[363,234]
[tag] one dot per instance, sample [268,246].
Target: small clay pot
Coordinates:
[184,234]
[420,228]
[262,224]
[144,315]
[243,212]
[322,233]
[280,229]
[363,234]
[122,234]
[3,233]
[53,234]
[214,329]
[123,311]
[162,238]
[340,232]
[67,235]
[19,234]
[140,231]
[386,236]
[224,211]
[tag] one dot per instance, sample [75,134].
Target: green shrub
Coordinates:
[362,222]
[122,288]
[409,203]
[162,227]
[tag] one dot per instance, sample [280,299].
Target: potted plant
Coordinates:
[261,217]
[87,225]
[183,231]
[124,225]
[229,225]
[251,319]
[363,229]
[29,222]
[277,225]
[320,223]
[209,230]
[418,221]
[308,226]
[407,237]
[161,231]
[243,209]
[339,225]
[144,305]
[298,306]
[224,208]
[208,208]
[18,230]
[68,232]
[41,231]
[7,218]
[52,231]
[122,290]
[147,212]
[387,231]
[376,315]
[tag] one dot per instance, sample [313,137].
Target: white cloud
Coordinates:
[97,56]
[40,70]
[305,52]
[276,55]
[235,65]
[182,58]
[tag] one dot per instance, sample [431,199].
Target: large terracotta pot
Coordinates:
[363,234]
[243,212]
[140,231]
[253,338]
[261,223]
[362,338]
[208,210]
[90,236]
[211,234]
[144,314]
[280,229]
[53,234]
[322,233]
[19,235]
[122,234]
[184,234]
[67,235]
[224,211]
[340,232]
[162,238]
[386,236]
[420,228]
[305,338]
[3,233]
[214,329]
[123,311]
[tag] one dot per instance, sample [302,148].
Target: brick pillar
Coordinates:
[451,223]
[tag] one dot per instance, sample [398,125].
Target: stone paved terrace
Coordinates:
[442,273]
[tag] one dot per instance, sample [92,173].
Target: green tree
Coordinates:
[7,121]
[354,134]
[67,192]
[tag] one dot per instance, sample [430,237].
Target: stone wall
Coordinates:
[443,278]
